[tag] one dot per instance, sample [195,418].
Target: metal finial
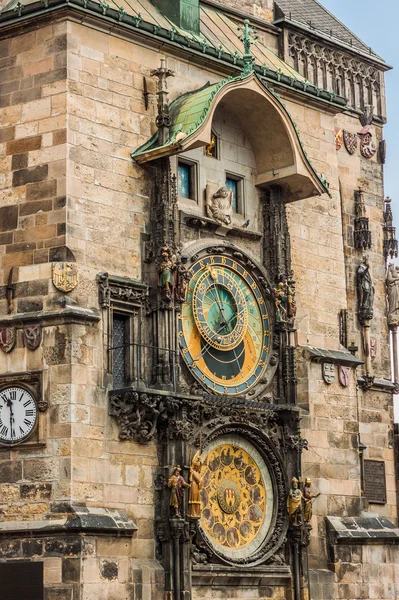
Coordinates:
[248,37]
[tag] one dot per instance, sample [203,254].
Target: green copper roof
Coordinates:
[218,41]
[189,111]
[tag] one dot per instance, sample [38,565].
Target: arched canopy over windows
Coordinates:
[279,155]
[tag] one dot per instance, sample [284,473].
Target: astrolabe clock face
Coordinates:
[18,414]
[224,327]
[236,497]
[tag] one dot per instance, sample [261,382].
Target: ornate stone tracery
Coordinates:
[337,72]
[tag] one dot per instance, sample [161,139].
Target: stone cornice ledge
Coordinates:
[221,575]
[79,519]
[361,530]
[72,314]
[337,357]
[376,383]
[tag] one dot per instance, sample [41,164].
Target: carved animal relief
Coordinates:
[219,205]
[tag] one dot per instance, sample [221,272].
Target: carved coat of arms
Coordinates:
[328,372]
[8,338]
[350,141]
[344,375]
[339,138]
[32,336]
[367,146]
[65,276]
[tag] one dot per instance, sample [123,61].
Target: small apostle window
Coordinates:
[119,350]
[212,149]
[186,180]
[235,185]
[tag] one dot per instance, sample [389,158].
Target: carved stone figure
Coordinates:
[308,498]
[166,269]
[294,503]
[182,279]
[176,484]
[194,500]
[219,205]
[393,295]
[280,300]
[291,300]
[365,291]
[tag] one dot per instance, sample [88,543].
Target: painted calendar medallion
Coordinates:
[236,497]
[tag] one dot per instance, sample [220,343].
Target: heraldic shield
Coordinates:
[8,338]
[65,276]
[350,141]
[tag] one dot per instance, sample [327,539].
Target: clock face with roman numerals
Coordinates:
[224,330]
[17,414]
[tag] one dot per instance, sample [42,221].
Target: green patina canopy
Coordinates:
[191,110]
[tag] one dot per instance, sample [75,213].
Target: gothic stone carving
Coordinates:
[137,414]
[337,72]
[390,241]
[365,291]
[219,205]
[120,290]
[362,235]
[393,295]
[32,336]
[165,228]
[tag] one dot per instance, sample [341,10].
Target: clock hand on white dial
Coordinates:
[9,404]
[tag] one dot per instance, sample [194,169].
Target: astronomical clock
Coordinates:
[237,498]
[225,325]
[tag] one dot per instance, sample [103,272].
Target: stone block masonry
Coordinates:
[32,148]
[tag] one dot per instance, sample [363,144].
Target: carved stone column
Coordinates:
[277,261]
[162,249]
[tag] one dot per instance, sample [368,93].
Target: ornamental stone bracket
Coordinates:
[201,222]
[142,415]
[120,290]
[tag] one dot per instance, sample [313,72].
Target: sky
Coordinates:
[375,23]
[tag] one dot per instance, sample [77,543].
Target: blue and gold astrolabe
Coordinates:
[224,330]
[219,308]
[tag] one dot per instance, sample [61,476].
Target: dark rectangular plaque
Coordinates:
[375,488]
[21,580]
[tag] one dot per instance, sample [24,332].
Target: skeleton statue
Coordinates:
[219,205]
[393,295]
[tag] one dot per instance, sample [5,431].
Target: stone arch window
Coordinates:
[336,72]
[351,90]
[376,95]
[359,92]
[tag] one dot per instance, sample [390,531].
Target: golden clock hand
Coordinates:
[208,345]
